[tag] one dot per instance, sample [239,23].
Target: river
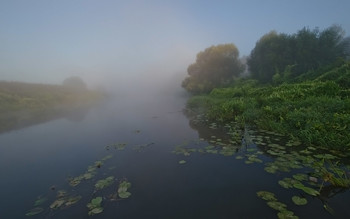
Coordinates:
[141,133]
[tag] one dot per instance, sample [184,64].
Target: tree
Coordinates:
[289,56]
[75,83]
[272,53]
[214,67]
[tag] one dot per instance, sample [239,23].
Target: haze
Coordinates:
[137,43]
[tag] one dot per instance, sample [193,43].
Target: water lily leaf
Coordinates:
[34,211]
[268,196]
[285,184]
[122,190]
[40,201]
[107,157]
[239,157]
[103,183]
[300,177]
[285,214]
[276,205]
[96,201]
[124,194]
[299,201]
[73,200]
[307,190]
[58,203]
[95,211]
[182,162]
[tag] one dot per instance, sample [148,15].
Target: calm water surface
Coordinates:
[34,159]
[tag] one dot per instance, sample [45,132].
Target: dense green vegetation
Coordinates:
[22,104]
[299,86]
[214,67]
[316,111]
[289,56]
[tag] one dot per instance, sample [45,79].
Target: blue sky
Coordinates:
[47,41]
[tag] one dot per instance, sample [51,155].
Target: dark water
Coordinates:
[34,159]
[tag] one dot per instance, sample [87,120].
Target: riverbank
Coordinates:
[25,104]
[314,109]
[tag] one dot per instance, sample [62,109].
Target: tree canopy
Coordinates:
[289,56]
[215,66]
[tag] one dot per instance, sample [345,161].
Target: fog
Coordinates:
[137,46]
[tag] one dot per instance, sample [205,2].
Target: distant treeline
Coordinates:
[22,104]
[276,58]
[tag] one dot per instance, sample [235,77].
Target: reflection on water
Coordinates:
[22,119]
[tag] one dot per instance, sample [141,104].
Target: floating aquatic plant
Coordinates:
[40,201]
[34,211]
[123,189]
[103,183]
[299,200]
[95,206]
[182,162]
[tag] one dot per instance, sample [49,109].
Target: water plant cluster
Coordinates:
[309,173]
[315,111]
[66,198]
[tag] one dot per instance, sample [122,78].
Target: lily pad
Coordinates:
[40,201]
[285,214]
[268,196]
[57,203]
[95,206]
[182,162]
[122,189]
[95,211]
[277,205]
[124,194]
[299,201]
[73,200]
[307,190]
[34,211]
[300,177]
[107,157]
[103,183]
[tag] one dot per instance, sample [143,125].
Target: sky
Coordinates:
[123,42]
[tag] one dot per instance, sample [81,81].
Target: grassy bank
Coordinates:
[316,110]
[23,104]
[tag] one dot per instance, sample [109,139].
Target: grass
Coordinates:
[23,104]
[316,111]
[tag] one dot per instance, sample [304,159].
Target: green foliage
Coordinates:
[214,67]
[281,57]
[317,112]
[25,103]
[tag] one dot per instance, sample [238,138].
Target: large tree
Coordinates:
[298,53]
[214,67]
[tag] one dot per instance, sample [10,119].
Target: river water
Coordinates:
[37,161]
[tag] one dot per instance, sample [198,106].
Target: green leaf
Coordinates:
[96,201]
[124,194]
[268,196]
[57,203]
[95,211]
[40,201]
[103,183]
[182,162]
[299,201]
[277,205]
[34,211]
